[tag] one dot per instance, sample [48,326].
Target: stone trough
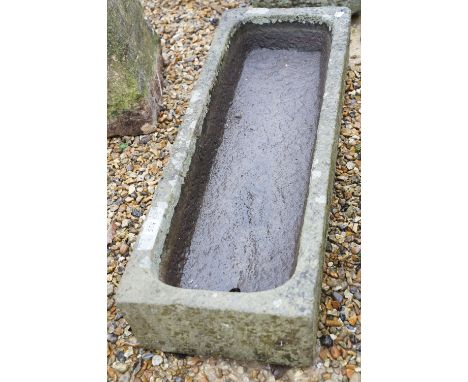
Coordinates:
[243,203]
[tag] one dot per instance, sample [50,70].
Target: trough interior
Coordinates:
[237,223]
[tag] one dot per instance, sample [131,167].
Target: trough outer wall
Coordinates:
[268,338]
[278,325]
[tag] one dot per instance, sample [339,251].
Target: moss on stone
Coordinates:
[122,90]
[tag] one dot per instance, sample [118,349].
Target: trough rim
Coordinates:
[298,296]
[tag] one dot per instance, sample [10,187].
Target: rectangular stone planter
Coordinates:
[243,203]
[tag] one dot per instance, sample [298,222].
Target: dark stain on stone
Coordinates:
[238,219]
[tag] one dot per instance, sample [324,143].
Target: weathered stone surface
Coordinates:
[354,5]
[275,325]
[134,70]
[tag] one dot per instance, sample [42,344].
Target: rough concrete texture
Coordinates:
[276,325]
[134,70]
[354,5]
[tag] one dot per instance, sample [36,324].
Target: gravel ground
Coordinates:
[134,168]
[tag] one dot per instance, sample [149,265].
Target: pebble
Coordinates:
[120,356]
[334,352]
[350,165]
[112,338]
[324,354]
[357,295]
[120,367]
[147,356]
[356,292]
[157,360]
[136,213]
[356,249]
[278,371]
[123,249]
[337,296]
[333,322]
[353,319]
[125,377]
[144,139]
[348,294]
[326,341]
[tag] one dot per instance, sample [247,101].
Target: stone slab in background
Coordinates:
[354,5]
[276,325]
[355,42]
[134,70]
